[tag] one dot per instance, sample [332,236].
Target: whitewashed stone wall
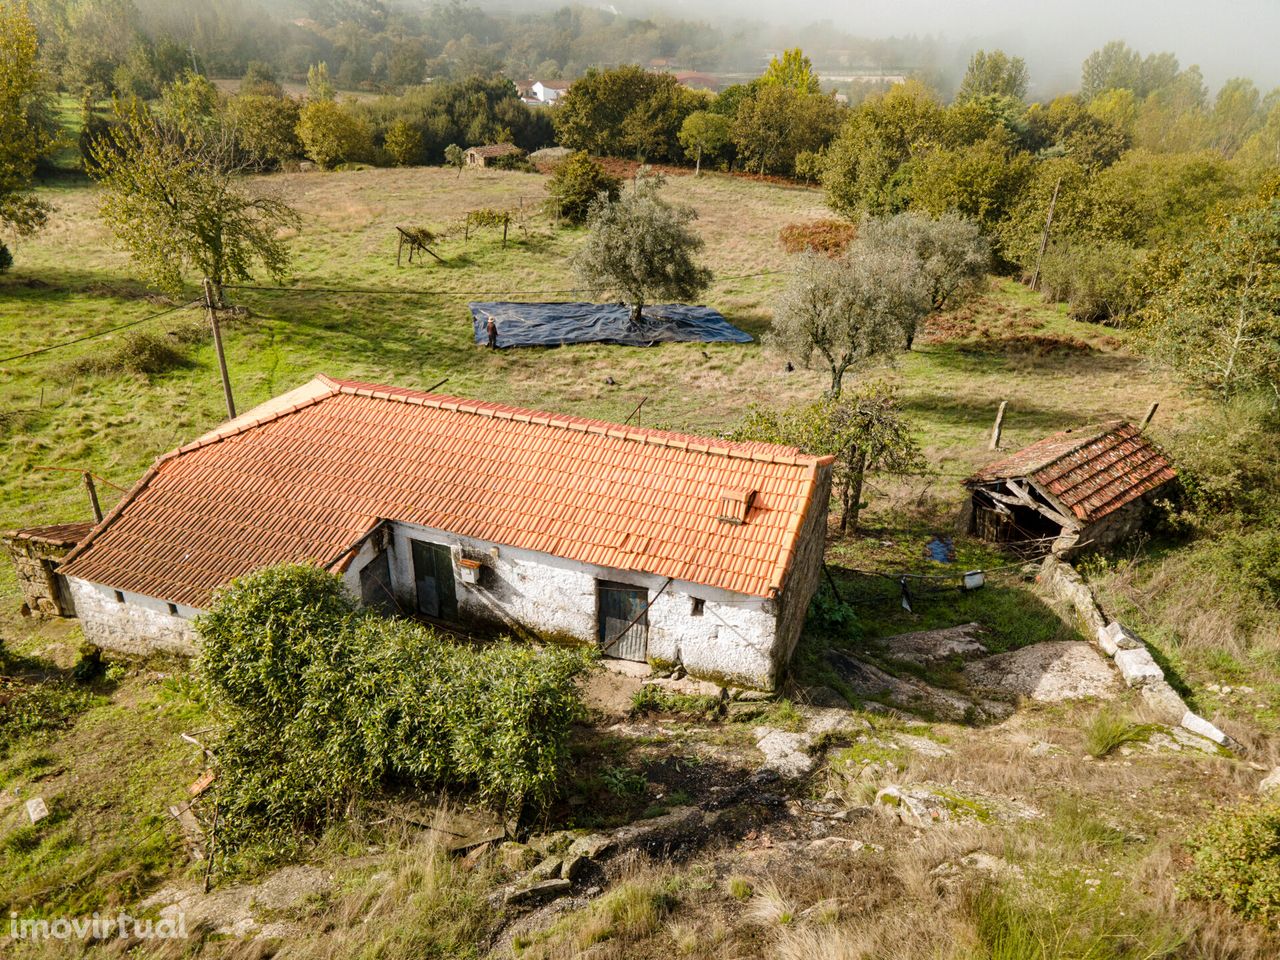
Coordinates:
[530,594]
[138,625]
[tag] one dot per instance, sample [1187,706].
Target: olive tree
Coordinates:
[951,249]
[851,310]
[639,249]
[176,200]
[865,432]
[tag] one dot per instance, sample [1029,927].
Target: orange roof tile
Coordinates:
[302,481]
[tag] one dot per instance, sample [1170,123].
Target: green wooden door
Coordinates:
[433,581]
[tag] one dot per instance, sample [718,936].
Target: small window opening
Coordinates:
[119,597]
[698,606]
[173,609]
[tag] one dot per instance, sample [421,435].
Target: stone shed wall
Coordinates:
[525,593]
[136,624]
[36,565]
[806,572]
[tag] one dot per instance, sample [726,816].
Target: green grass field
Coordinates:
[110,774]
[69,281]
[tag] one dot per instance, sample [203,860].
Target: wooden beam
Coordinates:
[1151,412]
[999,426]
[1026,500]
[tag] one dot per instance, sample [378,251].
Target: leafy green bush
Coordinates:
[6,258]
[829,616]
[1237,860]
[577,183]
[322,703]
[1097,281]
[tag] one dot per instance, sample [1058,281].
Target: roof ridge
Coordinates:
[733,449]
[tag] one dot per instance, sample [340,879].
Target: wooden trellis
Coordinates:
[487,218]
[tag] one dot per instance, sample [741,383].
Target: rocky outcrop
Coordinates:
[927,647]
[1045,672]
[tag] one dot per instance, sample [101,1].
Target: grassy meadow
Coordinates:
[1100,861]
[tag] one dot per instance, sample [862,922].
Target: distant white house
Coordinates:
[549,91]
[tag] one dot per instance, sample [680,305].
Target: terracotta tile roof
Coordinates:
[1092,471]
[56,534]
[301,482]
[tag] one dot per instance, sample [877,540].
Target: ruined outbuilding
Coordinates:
[1085,487]
[37,553]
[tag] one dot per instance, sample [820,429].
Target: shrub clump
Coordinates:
[1237,861]
[1097,281]
[322,703]
[577,184]
[146,353]
[831,237]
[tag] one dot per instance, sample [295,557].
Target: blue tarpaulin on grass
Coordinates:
[555,324]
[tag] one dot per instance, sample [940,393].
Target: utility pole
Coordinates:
[1044,237]
[93,497]
[212,311]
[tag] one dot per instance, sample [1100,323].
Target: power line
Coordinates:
[100,333]
[393,292]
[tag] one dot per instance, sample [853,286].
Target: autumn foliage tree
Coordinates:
[22,142]
[1216,319]
[173,195]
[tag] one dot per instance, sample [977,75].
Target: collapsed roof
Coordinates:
[1090,471]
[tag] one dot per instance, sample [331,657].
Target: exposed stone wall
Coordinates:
[529,594]
[36,564]
[805,574]
[1133,660]
[137,625]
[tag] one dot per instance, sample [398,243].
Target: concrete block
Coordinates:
[1164,700]
[36,809]
[1137,667]
[1115,636]
[1199,725]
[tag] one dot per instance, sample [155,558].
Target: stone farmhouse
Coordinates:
[657,546]
[490,153]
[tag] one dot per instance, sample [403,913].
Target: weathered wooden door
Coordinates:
[433,581]
[624,620]
[375,585]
